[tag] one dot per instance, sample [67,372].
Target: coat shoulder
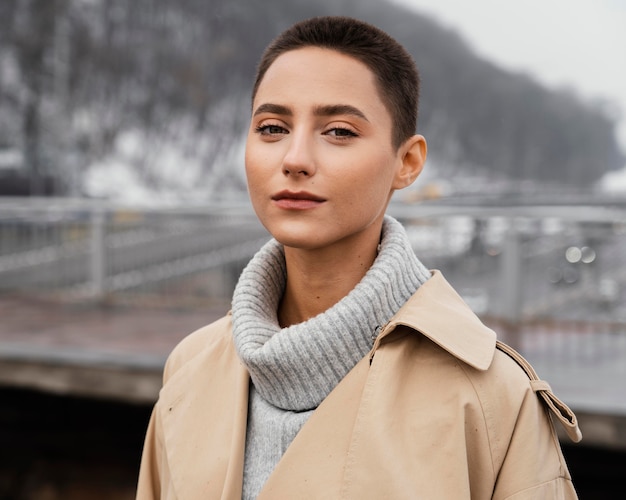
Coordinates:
[511,382]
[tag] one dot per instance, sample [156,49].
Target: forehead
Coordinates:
[325,75]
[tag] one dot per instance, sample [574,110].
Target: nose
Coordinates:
[299,158]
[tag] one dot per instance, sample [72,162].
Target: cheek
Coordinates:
[259,158]
[258,177]
[370,180]
[252,179]
[253,165]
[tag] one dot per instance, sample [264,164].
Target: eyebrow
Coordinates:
[276,109]
[325,110]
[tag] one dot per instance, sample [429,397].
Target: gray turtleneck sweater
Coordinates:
[293,369]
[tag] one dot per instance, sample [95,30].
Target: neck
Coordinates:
[318,279]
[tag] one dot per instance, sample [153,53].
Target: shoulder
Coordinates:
[505,391]
[213,335]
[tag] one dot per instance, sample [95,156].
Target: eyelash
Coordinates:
[349,133]
[346,132]
[264,129]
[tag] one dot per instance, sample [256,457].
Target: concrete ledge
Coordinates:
[133,379]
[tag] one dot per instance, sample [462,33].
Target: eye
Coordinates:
[270,129]
[341,133]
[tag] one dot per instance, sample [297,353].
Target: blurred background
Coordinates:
[124,220]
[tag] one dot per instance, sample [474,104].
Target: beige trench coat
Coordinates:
[436,411]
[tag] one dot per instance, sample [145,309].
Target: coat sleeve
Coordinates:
[154,481]
[534,466]
[151,469]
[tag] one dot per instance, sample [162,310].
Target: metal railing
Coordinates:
[94,250]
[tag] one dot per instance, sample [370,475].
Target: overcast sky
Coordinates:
[580,44]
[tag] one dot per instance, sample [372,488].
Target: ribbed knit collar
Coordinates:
[295,368]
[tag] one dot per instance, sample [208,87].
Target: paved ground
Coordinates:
[137,330]
[115,352]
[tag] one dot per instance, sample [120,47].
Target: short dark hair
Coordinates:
[396,74]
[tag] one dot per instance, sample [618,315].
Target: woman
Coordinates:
[346,369]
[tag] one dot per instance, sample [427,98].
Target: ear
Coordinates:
[412,156]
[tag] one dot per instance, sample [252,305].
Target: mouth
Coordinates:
[297,200]
[299,195]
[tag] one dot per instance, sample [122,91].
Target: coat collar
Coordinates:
[438,312]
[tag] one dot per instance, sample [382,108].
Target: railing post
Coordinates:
[97,261]
[511,285]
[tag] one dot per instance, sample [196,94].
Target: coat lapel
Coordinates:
[313,465]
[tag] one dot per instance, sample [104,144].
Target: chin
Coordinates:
[302,242]
[298,235]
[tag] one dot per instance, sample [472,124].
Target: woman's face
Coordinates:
[319,158]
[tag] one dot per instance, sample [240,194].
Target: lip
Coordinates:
[297,200]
